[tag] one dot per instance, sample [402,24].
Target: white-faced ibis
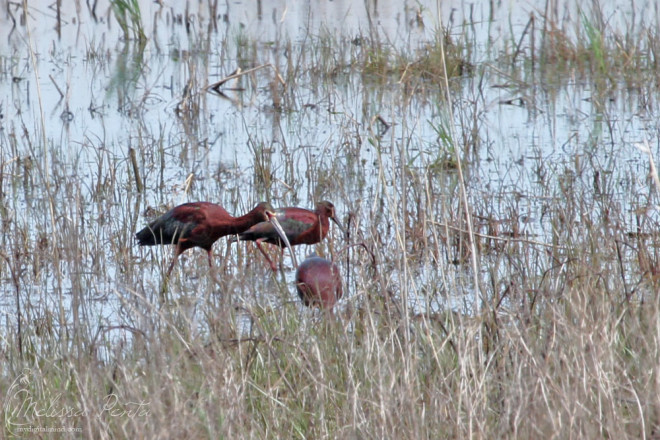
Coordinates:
[318,283]
[200,224]
[301,226]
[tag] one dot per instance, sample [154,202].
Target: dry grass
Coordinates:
[554,335]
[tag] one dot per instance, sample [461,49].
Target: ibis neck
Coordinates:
[244,222]
[324,225]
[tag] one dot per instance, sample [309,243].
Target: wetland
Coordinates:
[493,164]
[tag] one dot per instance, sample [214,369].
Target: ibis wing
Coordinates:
[173,226]
[189,213]
[190,221]
[260,230]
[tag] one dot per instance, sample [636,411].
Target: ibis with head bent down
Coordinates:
[200,224]
[301,226]
[318,283]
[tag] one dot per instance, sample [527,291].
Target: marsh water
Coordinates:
[86,108]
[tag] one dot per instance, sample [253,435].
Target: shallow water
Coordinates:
[66,130]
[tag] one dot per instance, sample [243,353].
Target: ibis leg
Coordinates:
[169,269]
[272,265]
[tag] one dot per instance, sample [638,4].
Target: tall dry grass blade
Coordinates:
[466,204]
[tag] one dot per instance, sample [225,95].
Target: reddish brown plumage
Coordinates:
[301,226]
[199,224]
[318,283]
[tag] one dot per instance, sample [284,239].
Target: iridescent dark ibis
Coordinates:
[301,226]
[318,282]
[200,224]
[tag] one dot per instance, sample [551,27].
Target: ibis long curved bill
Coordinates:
[272,217]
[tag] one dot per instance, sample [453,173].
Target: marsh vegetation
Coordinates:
[494,169]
